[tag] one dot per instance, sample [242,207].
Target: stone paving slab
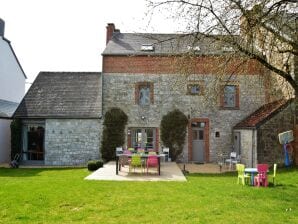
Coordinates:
[169,172]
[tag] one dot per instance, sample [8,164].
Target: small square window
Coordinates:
[194,89]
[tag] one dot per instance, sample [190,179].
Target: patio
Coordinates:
[169,172]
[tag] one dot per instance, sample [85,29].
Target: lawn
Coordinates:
[63,196]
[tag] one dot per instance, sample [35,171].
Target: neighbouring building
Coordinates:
[61,118]
[12,90]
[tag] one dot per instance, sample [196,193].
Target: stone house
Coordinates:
[142,76]
[12,90]
[61,118]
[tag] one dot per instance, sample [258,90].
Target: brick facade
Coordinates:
[172,65]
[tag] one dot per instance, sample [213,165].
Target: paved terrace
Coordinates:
[168,172]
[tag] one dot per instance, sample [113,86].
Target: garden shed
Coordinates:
[259,133]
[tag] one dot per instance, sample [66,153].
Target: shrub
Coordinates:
[94,165]
[173,132]
[113,132]
[16,137]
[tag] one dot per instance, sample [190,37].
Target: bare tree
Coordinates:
[263,30]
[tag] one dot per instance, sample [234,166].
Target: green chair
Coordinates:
[241,174]
[274,174]
[136,161]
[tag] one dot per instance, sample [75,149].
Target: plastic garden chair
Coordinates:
[151,153]
[232,160]
[241,174]
[274,174]
[152,161]
[141,150]
[136,161]
[261,178]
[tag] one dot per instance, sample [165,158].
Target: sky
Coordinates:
[70,35]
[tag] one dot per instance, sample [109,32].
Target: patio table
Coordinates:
[252,172]
[143,156]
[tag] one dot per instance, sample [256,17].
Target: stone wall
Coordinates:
[269,149]
[72,141]
[170,93]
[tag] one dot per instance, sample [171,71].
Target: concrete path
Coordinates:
[169,172]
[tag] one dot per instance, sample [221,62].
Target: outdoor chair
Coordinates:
[232,160]
[152,161]
[136,161]
[274,174]
[152,153]
[166,151]
[141,150]
[123,159]
[119,150]
[241,174]
[261,178]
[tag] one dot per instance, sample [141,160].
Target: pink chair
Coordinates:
[261,178]
[152,161]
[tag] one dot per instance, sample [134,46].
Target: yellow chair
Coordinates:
[136,161]
[241,174]
[274,174]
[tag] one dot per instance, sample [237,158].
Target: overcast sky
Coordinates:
[69,35]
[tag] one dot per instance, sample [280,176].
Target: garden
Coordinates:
[63,196]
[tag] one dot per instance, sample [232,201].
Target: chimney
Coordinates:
[110,30]
[2,26]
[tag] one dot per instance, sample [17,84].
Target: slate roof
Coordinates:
[7,108]
[164,44]
[263,114]
[63,95]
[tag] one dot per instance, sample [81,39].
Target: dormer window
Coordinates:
[147,47]
[194,48]
[227,49]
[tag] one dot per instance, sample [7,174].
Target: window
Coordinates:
[195,89]
[143,137]
[230,97]
[144,93]
[147,47]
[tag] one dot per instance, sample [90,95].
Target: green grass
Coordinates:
[63,196]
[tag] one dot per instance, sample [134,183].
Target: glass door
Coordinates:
[143,138]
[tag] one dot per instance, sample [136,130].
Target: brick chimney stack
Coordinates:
[2,26]
[110,30]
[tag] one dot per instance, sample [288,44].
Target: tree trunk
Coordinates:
[296,113]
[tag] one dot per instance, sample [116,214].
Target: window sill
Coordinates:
[229,108]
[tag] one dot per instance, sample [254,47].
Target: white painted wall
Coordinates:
[4,141]
[248,147]
[12,80]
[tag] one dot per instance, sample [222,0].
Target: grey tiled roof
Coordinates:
[63,95]
[164,44]
[7,108]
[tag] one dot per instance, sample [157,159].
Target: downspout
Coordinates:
[253,146]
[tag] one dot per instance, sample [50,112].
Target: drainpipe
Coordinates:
[253,146]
